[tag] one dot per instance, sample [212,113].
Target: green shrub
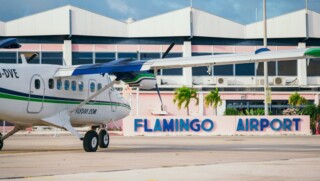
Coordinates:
[253,112]
[231,112]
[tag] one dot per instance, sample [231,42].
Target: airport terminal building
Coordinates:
[70,35]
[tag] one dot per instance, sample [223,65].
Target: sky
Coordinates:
[241,11]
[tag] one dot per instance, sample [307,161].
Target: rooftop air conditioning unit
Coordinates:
[209,81]
[260,82]
[279,81]
[220,81]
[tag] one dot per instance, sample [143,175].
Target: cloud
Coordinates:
[243,11]
[172,5]
[121,7]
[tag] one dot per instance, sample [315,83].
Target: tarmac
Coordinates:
[45,157]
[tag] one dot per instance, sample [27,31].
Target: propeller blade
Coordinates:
[168,50]
[32,57]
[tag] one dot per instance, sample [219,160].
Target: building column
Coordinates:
[302,68]
[317,99]
[221,109]
[201,103]
[187,72]
[67,52]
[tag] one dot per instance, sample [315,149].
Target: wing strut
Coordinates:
[155,73]
[158,91]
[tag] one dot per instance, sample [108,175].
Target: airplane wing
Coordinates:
[126,65]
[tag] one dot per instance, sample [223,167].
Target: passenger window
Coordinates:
[73,85]
[66,85]
[59,84]
[92,87]
[80,86]
[37,84]
[99,86]
[51,83]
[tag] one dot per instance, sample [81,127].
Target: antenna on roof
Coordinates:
[130,20]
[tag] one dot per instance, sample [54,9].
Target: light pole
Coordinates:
[265,64]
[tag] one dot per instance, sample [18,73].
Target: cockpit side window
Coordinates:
[37,83]
[51,83]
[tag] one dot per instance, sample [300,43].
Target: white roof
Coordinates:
[184,22]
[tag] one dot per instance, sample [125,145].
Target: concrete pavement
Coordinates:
[33,157]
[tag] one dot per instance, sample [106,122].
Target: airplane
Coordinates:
[83,95]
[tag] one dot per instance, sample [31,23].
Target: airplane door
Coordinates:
[36,94]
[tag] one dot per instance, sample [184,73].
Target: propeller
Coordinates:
[168,50]
[32,57]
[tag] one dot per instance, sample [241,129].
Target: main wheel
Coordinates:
[103,139]
[90,141]
[1,144]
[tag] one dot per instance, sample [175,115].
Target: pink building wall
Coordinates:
[149,102]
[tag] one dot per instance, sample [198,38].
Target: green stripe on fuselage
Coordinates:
[22,98]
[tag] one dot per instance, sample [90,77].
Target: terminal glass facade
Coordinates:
[175,71]
[35,60]
[276,108]
[8,57]
[123,55]
[149,55]
[313,69]
[101,57]
[79,58]
[52,58]
[200,71]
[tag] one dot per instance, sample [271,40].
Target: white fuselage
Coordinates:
[29,93]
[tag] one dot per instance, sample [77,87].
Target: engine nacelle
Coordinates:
[143,80]
[147,84]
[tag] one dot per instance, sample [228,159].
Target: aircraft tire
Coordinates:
[1,142]
[90,141]
[103,139]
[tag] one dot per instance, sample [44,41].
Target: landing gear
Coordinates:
[1,142]
[103,139]
[90,141]
[14,130]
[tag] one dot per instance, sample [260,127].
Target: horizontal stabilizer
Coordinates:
[9,43]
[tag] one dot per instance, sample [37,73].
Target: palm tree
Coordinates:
[314,112]
[184,95]
[213,99]
[296,99]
